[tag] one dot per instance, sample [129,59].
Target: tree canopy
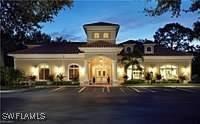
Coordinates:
[196,29]
[26,15]
[173,6]
[21,19]
[132,58]
[174,36]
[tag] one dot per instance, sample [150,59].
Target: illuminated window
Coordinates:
[96,35]
[74,72]
[44,72]
[169,71]
[137,73]
[105,35]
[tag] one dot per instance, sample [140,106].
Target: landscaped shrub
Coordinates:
[182,78]
[125,77]
[148,76]
[65,83]
[60,77]
[32,77]
[51,77]
[135,81]
[163,81]
[173,81]
[158,77]
[153,81]
[41,83]
[10,76]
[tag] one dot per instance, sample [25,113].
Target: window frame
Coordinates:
[45,70]
[75,71]
[106,34]
[96,35]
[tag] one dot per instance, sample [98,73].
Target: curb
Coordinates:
[36,87]
[55,86]
[12,91]
[172,86]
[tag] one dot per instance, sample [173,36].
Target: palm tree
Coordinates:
[132,59]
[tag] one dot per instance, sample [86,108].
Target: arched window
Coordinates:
[43,72]
[128,49]
[169,71]
[148,49]
[74,72]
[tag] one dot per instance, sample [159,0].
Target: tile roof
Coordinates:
[130,42]
[160,51]
[163,51]
[53,48]
[101,24]
[100,44]
[73,48]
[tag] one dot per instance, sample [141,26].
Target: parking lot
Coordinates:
[137,105]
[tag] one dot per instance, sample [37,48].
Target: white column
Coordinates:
[114,71]
[190,71]
[15,63]
[86,70]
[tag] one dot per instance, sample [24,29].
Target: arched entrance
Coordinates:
[100,69]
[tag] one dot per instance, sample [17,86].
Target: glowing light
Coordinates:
[152,69]
[185,70]
[59,69]
[120,71]
[82,71]
[34,70]
[44,66]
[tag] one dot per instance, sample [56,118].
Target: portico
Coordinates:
[101,64]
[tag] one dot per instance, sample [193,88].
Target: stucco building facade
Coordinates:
[99,58]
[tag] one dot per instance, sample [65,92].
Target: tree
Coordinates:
[132,59]
[19,19]
[174,36]
[196,30]
[173,6]
[37,37]
[196,61]
[25,15]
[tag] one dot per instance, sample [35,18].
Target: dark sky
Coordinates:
[134,24]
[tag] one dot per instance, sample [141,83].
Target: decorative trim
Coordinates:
[47,56]
[168,57]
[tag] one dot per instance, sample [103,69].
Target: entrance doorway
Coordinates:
[100,68]
[101,75]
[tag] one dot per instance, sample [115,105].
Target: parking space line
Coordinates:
[153,91]
[136,90]
[103,89]
[108,89]
[185,90]
[122,90]
[82,89]
[58,89]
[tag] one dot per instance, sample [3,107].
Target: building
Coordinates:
[99,58]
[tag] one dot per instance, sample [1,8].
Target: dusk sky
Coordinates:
[128,13]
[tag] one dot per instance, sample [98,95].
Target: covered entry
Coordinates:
[100,69]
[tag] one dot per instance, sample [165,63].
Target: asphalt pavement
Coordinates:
[105,105]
